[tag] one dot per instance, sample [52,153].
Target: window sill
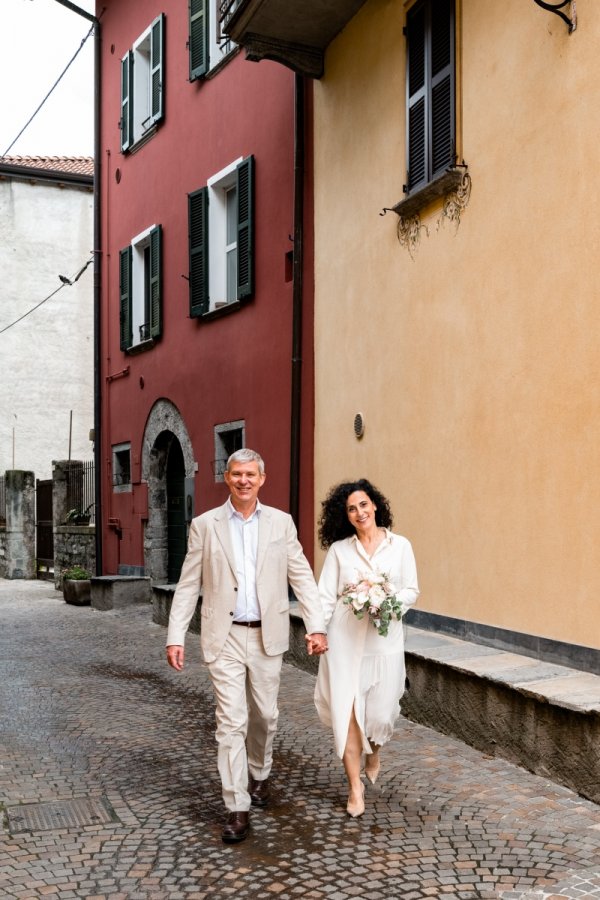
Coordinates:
[141,347]
[444,184]
[214,70]
[221,311]
[122,488]
[139,143]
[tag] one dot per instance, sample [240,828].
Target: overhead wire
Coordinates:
[70,282]
[56,83]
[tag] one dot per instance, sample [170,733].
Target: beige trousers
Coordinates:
[246,684]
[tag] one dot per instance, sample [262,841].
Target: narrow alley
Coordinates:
[109,788]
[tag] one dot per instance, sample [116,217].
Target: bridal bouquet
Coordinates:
[374,595]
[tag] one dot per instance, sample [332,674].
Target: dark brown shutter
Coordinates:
[442,86]
[430,91]
[416,97]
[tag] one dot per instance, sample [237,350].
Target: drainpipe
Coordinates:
[97,278]
[97,298]
[297,297]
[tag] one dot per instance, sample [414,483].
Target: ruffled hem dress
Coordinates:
[361,669]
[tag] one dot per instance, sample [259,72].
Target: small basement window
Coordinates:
[121,468]
[228,438]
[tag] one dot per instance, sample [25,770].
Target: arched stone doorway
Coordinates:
[176,527]
[167,467]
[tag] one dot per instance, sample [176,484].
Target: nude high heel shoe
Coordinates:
[372,766]
[357,808]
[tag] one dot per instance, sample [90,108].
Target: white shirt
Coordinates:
[244,539]
[347,559]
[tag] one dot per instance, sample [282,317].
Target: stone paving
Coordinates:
[91,716]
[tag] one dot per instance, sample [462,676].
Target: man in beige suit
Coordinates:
[241,557]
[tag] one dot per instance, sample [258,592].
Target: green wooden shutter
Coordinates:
[127,101]
[198,245]
[198,43]
[125,297]
[156,282]
[245,228]
[157,70]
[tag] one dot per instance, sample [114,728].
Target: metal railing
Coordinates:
[80,491]
[227,9]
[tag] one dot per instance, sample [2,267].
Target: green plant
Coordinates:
[76,516]
[76,573]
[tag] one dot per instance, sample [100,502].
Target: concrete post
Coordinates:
[20,524]
[62,471]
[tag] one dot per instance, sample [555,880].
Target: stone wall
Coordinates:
[162,597]
[74,545]
[2,551]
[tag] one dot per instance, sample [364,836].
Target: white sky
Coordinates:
[37,40]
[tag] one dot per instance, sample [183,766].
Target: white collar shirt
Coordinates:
[244,539]
[347,559]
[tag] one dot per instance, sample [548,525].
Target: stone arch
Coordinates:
[163,426]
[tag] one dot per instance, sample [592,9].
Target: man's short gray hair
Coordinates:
[245,456]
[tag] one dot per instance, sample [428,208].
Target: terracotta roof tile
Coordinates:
[71,165]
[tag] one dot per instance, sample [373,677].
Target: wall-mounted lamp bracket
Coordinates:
[556,9]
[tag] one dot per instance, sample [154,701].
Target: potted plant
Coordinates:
[79,516]
[77,586]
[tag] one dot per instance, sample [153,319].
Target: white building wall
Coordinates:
[46,360]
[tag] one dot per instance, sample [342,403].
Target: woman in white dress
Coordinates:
[361,678]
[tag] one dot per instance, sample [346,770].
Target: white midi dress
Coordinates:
[361,669]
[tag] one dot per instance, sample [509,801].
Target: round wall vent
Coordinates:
[359,425]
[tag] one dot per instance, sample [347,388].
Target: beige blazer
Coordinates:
[209,569]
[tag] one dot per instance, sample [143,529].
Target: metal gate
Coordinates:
[43,530]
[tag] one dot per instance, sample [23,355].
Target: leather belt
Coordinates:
[255,624]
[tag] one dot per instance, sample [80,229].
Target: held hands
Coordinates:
[316,644]
[175,656]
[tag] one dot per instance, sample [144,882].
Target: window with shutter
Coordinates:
[430,91]
[143,96]
[221,239]
[140,279]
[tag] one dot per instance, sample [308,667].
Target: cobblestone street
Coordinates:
[96,727]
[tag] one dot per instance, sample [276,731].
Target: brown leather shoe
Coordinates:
[259,792]
[236,827]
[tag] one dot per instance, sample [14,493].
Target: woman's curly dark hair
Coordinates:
[334,524]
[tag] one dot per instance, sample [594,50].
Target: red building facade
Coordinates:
[199,222]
